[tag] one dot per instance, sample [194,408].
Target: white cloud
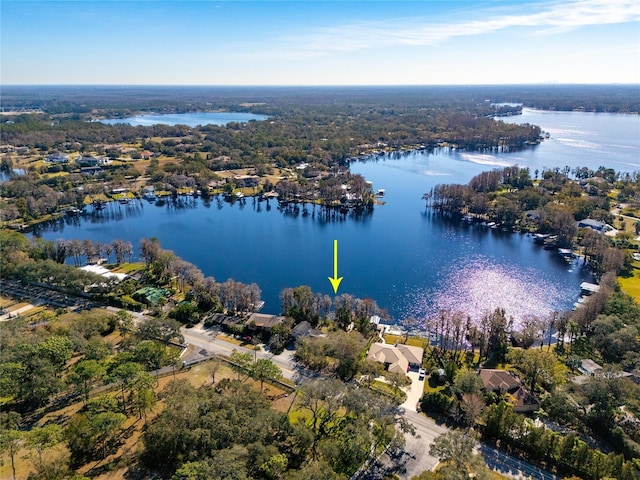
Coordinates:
[545,19]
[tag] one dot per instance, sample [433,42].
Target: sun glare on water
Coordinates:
[477,287]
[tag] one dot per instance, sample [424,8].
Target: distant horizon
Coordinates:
[319,43]
[159,85]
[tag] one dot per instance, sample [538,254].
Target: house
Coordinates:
[396,358]
[304,329]
[263,321]
[589,367]
[592,224]
[247,180]
[104,272]
[587,288]
[87,161]
[503,381]
[58,158]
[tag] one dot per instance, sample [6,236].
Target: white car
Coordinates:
[421,373]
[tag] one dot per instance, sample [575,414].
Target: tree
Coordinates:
[397,380]
[186,313]
[104,426]
[467,381]
[241,362]
[42,438]
[10,442]
[264,369]
[163,329]
[471,406]
[213,366]
[85,374]
[537,366]
[144,399]
[151,354]
[453,447]
[125,322]
[497,344]
[126,373]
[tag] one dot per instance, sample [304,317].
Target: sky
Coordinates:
[307,42]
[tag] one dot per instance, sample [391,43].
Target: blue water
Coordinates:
[410,261]
[191,119]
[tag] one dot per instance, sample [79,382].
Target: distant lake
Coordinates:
[409,260]
[192,119]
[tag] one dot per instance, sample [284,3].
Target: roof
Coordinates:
[305,329]
[591,223]
[499,380]
[263,320]
[589,366]
[100,270]
[396,357]
[524,400]
[411,353]
[589,287]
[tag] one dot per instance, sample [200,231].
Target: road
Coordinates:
[413,460]
[511,466]
[206,344]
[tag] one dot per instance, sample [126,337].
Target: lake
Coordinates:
[191,119]
[410,261]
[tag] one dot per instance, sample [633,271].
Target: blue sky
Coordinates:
[308,42]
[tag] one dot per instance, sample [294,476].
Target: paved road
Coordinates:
[512,467]
[206,344]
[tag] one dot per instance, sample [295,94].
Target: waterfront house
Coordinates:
[587,288]
[305,330]
[263,321]
[592,224]
[58,158]
[396,358]
[505,382]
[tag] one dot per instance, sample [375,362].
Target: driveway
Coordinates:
[413,391]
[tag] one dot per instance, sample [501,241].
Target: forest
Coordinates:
[92,379]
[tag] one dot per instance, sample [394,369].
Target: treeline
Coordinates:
[601,409]
[322,133]
[551,202]
[231,431]
[84,99]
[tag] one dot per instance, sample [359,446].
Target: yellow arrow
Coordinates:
[335,281]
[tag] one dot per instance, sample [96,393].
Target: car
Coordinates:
[421,373]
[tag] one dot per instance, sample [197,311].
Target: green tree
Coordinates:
[467,381]
[163,329]
[85,374]
[150,353]
[104,427]
[10,442]
[263,369]
[453,447]
[125,322]
[126,374]
[241,362]
[41,438]
[537,366]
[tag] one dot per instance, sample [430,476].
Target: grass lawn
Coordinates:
[414,341]
[631,285]
[129,267]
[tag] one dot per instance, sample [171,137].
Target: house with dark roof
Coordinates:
[263,321]
[503,381]
[305,329]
